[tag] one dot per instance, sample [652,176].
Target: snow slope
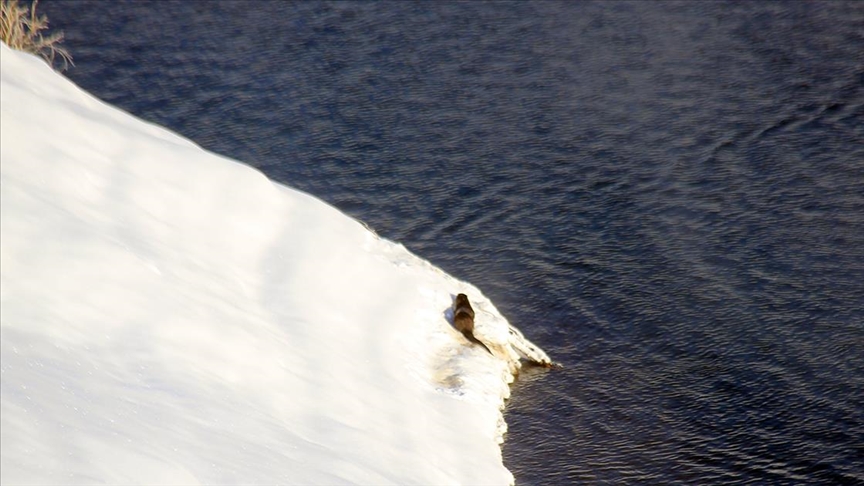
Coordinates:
[170,316]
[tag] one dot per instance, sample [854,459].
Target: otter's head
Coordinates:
[461,300]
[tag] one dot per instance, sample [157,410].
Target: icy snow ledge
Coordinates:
[169,316]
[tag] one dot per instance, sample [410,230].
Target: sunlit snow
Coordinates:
[170,316]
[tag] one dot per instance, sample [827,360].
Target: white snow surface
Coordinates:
[170,316]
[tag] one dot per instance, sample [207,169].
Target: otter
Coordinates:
[463,319]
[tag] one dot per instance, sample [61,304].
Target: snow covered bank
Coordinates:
[171,316]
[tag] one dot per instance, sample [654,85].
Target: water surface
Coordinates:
[667,197]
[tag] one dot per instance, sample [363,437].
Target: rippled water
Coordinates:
[668,197]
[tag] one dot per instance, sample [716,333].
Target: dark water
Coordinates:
[668,197]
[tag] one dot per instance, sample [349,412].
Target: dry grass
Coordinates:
[20,28]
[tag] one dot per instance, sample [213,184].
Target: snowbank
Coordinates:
[171,316]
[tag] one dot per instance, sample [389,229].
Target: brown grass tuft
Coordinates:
[20,29]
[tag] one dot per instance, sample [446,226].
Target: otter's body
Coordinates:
[463,319]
